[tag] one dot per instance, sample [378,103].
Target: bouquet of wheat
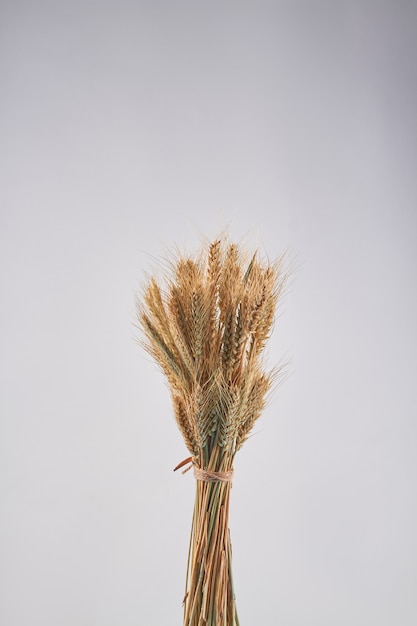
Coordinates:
[206,328]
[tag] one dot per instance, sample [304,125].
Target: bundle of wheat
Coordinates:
[207,329]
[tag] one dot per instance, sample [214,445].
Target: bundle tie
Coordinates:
[205,475]
[213,477]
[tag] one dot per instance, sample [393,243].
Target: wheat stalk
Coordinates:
[207,328]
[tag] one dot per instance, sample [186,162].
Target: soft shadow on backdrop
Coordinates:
[128,127]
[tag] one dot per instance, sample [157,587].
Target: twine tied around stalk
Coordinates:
[205,475]
[213,477]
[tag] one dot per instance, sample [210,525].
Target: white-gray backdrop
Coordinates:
[128,127]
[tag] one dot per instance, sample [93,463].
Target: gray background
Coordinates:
[126,128]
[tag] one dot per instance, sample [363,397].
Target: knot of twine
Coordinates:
[205,475]
[213,477]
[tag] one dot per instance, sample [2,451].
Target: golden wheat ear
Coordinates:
[207,326]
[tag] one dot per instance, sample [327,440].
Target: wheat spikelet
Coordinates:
[186,426]
[207,328]
[214,267]
[253,408]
